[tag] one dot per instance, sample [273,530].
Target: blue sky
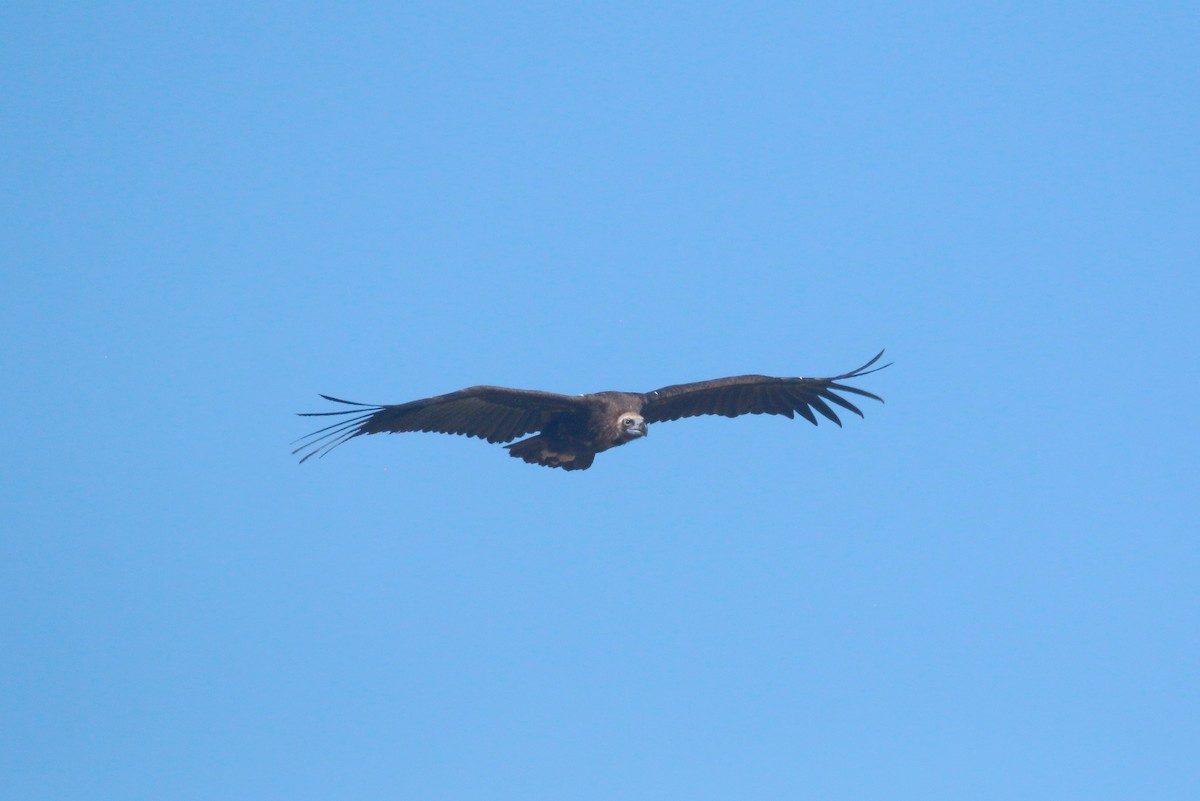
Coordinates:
[986,589]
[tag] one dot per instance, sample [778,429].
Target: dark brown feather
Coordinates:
[496,414]
[757,394]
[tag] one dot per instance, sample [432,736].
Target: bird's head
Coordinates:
[631,426]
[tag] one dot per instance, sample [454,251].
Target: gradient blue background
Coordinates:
[987,589]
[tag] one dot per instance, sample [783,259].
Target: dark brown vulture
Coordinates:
[572,429]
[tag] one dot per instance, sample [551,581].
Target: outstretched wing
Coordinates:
[757,394]
[497,414]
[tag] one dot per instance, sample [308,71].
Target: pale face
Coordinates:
[631,425]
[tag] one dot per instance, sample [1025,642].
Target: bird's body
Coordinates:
[572,441]
[572,429]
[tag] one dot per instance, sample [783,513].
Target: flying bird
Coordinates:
[572,429]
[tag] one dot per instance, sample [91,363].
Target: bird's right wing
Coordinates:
[497,414]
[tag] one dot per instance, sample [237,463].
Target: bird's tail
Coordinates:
[539,450]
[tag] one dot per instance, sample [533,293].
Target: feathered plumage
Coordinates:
[572,429]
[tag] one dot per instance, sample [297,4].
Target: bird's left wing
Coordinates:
[757,394]
[497,414]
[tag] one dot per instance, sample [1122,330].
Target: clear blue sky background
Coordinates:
[987,589]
